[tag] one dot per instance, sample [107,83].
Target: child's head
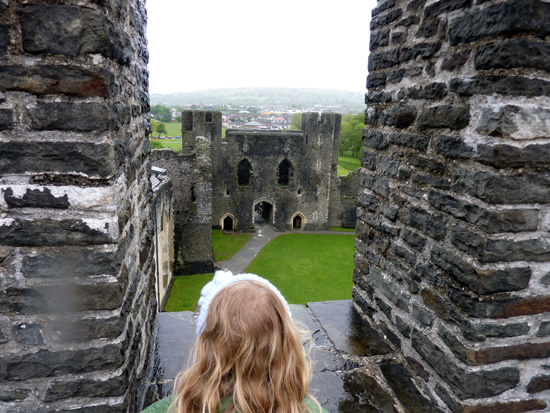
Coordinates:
[248,348]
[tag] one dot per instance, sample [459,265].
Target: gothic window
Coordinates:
[244,172]
[285,172]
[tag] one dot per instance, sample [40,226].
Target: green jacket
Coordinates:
[162,406]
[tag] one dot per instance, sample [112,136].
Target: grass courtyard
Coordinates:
[305,267]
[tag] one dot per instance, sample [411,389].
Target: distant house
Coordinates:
[254,125]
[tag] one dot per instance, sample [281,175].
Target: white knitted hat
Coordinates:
[221,280]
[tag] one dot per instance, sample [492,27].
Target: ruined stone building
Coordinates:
[453,245]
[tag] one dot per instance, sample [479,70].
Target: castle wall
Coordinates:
[77,293]
[311,154]
[453,248]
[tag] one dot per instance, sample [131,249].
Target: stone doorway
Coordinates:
[228,222]
[298,221]
[263,213]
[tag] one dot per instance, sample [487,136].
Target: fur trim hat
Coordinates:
[221,280]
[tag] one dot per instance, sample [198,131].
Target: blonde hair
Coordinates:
[250,351]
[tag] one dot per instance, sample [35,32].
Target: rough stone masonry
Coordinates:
[77,303]
[453,247]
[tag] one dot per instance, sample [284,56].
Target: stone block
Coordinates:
[4,38]
[508,156]
[374,139]
[431,181]
[7,119]
[414,239]
[428,28]
[408,256]
[375,183]
[490,221]
[513,53]
[59,157]
[446,6]
[428,224]
[445,116]
[454,147]
[375,80]
[412,141]
[466,384]
[49,79]
[455,61]
[43,232]
[509,18]
[378,97]
[382,7]
[388,166]
[399,116]
[378,39]
[502,85]
[29,334]
[398,38]
[515,122]
[388,211]
[36,198]
[47,363]
[387,18]
[423,315]
[71,30]
[522,188]
[87,329]
[403,326]
[538,384]
[423,50]
[395,293]
[82,117]
[87,387]
[383,60]
[378,224]
[433,91]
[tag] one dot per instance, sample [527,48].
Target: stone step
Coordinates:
[354,369]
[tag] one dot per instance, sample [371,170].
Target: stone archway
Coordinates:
[228,222]
[263,212]
[298,221]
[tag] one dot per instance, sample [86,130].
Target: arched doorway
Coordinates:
[228,222]
[263,212]
[298,221]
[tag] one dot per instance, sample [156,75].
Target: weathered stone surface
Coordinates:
[422,314]
[508,156]
[408,21]
[35,198]
[414,239]
[513,53]
[544,329]
[376,79]
[63,389]
[70,264]
[30,334]
[446,6]
[522,188]
[466,384]
[490,221]
[46,363]
[364,394]
[83,117]
[387,18]
[7,119]
[70,30]
[383,60]
[513,17]
[515,122]
[399,116]
[428,28]
[43,80]
[20,232]
[455,61]
[480,332]
[454,147]
[380,38]
[391,290]
[445,116]
[382,7]
[374,139]
[427,223]
[388,166]
[83,330]
[538,384]
[502,85]
[376,184]
[433,91]
[423,50]
[368,160]
[347,329]
[412,141]
[401,380]
[62,157]
[4,38]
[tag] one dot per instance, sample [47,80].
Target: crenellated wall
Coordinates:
[77,293]
[453,248]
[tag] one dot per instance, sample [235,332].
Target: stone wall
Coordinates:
[77,301]
[453,251]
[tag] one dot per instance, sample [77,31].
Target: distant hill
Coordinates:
[300,99]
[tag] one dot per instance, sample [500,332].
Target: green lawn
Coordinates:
[342,229]
[346,164]
[186,292]
[227,245]
[308,267]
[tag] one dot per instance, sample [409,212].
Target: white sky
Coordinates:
[210,44]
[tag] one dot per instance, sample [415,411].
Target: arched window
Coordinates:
[285,172]
[244,172]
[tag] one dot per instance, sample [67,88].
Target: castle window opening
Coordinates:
[244,172]
[208,118]
[285,172]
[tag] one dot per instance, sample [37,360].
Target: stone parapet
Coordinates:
[453,252]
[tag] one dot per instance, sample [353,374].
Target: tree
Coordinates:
[296,121]
[351,134]
[161,129]
[154,126]
[162,113]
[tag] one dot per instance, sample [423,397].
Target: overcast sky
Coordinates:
[210,44]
